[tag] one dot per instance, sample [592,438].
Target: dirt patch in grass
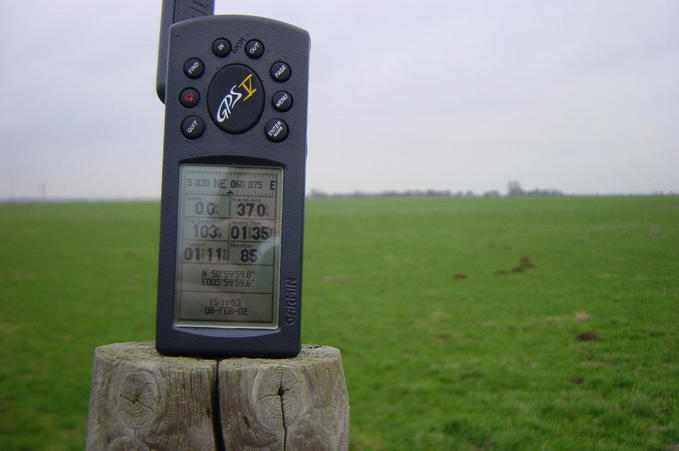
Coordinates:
[582,316]
[588,336]
[524,264]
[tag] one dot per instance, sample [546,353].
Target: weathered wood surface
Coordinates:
[296,404]
[143,400]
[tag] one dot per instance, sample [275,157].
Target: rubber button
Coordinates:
[221,47]
[193,68]
[281,101]
[189,98]
[193,127]
[280,71]
[254,48]
[276,130]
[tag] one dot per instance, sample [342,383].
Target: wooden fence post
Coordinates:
[142,400]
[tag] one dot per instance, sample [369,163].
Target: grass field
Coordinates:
[487,323]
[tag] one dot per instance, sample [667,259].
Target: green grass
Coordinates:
[433,360]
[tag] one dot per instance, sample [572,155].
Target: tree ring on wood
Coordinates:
[138,399]
[279,394]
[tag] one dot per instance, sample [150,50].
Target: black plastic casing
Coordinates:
[282,42]
[176,11]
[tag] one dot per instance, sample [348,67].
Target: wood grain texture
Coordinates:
[140,399]
[297,404]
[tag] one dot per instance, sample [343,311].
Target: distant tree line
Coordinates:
[392,193]
[513,189]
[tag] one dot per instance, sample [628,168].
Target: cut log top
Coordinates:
[141,399]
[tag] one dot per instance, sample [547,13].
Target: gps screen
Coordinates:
[228,246]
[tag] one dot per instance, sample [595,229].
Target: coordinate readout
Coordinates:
[228,246]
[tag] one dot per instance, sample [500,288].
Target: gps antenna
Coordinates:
[175,11]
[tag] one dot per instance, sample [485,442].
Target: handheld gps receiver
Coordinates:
[230,268]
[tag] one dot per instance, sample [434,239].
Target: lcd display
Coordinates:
[228,246]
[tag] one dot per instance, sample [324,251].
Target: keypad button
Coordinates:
[281,101]
[280,71]
[193,68]
[189,97]
[276,130]
[254,48]
[193,127]
[221,47]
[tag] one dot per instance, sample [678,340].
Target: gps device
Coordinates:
[230,261]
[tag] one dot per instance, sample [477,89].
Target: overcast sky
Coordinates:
[582,96]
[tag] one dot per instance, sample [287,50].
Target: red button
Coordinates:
[189,97]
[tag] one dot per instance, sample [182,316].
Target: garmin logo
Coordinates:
[228,103]
[291,289]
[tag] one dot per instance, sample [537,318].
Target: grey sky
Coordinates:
[582,96]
